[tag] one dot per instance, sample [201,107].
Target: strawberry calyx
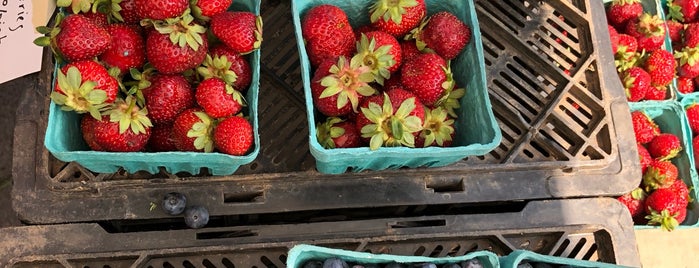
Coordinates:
[416,33]
[129,116]
[438,127]
[237,96]
[196,10]
[638,194]
[447,85]
[651,25]
[675,11]
[451,102]
[664,219]
[389,128]
[78,96]
[688,56]
[182,30]
[390,10]
[202,131]
[624,60]
[654,179]
[377,59]
[327,132]
[76,6]
[217,66]
[258,34]
[348,80]
[109,7]
[49,37]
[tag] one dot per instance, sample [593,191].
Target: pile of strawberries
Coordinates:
[662,197]
[156,75]
[388,83]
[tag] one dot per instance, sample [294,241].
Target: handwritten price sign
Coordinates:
[18,55]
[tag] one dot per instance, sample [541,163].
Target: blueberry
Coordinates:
[196,216]
[472,263]
[313,264]
[451,265]
[335,263]
[174,203]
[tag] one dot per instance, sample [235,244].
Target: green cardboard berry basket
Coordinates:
[64,139]
[671,118]
[518,257]
[477,132]
[662,6]
[300,254]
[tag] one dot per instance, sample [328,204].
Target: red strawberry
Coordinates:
[84,87]
[327,33]
[695,152]
[397,17]
[126,49]
[219,99]
[193,131]
[233,136]
[437,130]
[661,67]
[87,124]
[635,202]
[659,174]
[381,53]
[169,58]
[675,30]
[683,10]
[429,77]
[161,139]
[636,83]
[393,82]
[665,208]
[97,18]
[204,9]
[160,9]
[443,33]
[691,35]
[656,93]
[240,31]
[680,187]
[626,56]
[167,96]
[409,49]
[644,157]
[338,86]
[125,128]
[614,37]
[239,66]
[644,128]
[128,12]
[685,85]
[362,30]
[649,31]
[664,146]
[76,38]
[621,11]
[394,119]
[692,112]
[338,133]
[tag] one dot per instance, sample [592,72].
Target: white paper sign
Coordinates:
[18,19]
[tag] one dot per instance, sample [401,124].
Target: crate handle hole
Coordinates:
[446,186]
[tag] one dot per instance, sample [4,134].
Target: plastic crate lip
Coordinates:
[135,161]
[323,154]
[517,256]
[299,254]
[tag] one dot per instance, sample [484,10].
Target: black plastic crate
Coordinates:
[566,133]
[597,229]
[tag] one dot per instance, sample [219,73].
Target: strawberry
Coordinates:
[239,66]
[659,174]
[691,35]
[193,131]
[394,119]
[695,152]
[644,128]
[338,86]
[675,30]
[205,9]
[665,208]
[680,187]
[381,53]
[87,124]
[160,9]
[620,12]
[692,112]
[128,12]
[169,57]
[664,146]
[327,34]
[362,30]
[443,33]
[219,99]
[429,77]
[240,31]
[626,56]
[649,31]
[233,136]
[84,87]
[397,17]
[636,83]
[614,38]
[393,82]
[126,48]
[644,157]
[634,202]
[74,38]
[685,85]
[167,96]
[688,62]
[683,10]
[338,133]
[97,18]
[661,67]
[161,139]
[409,50]
[437,130]
[124,128]
[656,93]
